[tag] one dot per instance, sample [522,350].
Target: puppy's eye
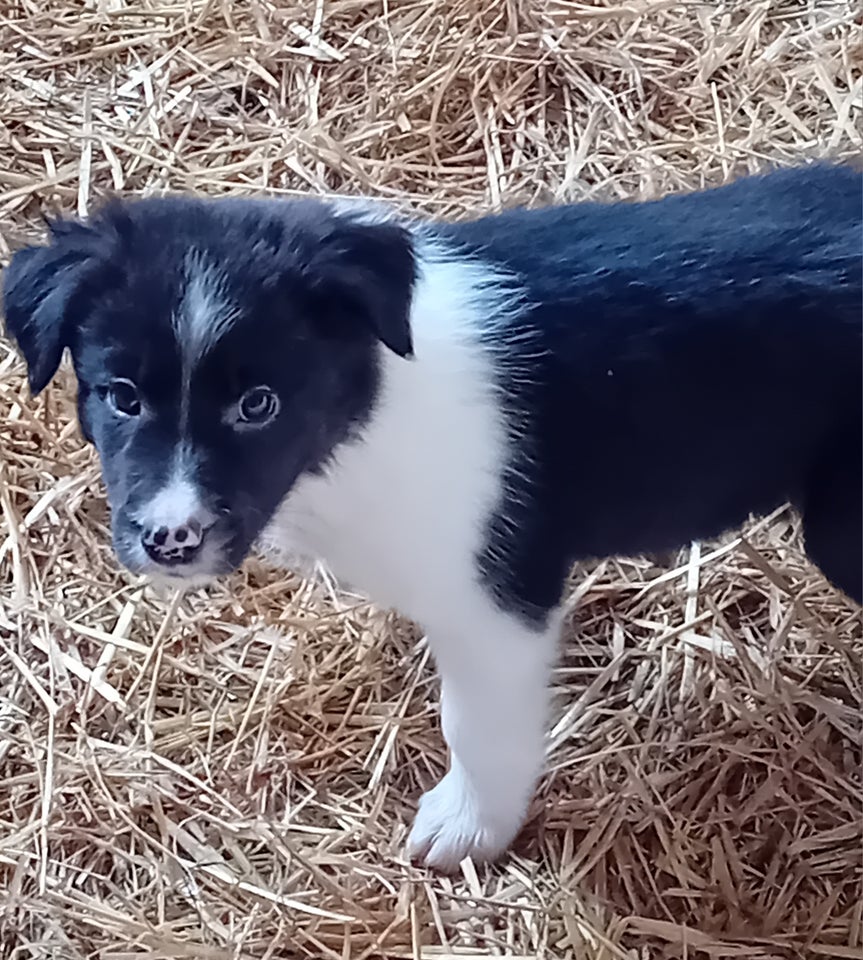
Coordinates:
[123,396]
[258,406]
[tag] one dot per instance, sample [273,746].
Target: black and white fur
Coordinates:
[450,414]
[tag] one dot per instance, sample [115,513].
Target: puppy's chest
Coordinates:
[402,512]
[404,534]
[366,545]
[367,548]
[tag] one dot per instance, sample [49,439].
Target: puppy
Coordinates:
[451,414]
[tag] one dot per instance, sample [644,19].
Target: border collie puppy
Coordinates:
[451,414]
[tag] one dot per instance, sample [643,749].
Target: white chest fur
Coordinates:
[400,515]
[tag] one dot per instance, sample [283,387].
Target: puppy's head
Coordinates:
[223,349]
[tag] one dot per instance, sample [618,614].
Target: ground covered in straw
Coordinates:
[230,774]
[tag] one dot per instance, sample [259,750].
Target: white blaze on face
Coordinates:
[206,313]
[204,316]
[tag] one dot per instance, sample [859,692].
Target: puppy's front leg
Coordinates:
[494,672]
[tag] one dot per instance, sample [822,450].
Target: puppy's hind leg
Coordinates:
[833,519]
[494,703]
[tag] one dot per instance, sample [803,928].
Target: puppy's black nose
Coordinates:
[174,545]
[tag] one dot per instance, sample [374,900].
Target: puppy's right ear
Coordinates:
[40,288]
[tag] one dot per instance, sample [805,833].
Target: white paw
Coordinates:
[450,826]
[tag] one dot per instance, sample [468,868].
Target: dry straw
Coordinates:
[230,775]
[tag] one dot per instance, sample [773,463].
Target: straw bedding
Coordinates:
[230,774]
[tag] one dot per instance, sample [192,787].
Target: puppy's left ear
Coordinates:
[368,270]
[40,286]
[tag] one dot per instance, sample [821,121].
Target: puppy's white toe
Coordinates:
[450,825]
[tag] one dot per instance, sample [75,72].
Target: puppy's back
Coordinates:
[686,362]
